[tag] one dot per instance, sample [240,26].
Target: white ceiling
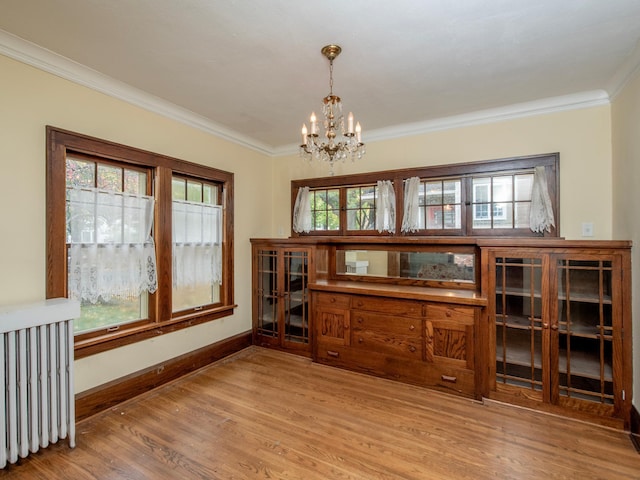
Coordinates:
[252,71]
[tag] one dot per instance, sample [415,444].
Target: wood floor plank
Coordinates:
[263,414]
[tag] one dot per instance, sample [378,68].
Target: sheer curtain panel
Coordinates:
[411,216]
[386,207]
[197,244]
[111,250]
[302,211]
[541,215]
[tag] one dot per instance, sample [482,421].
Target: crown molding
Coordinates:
[519,110]
[629,69]
[48,61]
[43,59]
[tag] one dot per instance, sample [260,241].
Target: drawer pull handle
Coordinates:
[412,349]
[359,319]
[360,340]
[331,353]
[333,300]
[449,378]
[412,327]
[448,313]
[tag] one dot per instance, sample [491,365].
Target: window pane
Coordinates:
[502,215]
[481,190]
[452,216]
[178,189]
[209,194]
[116,311]
[135,182]
[109,178]
[80,173]
[502,191]
[361,208]
[434,217]
[325,209]
[522,215]
[452,192]
[524,184]
[433,193]
[194,191]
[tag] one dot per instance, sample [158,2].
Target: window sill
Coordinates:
[91,346]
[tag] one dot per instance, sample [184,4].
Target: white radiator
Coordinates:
[36,367]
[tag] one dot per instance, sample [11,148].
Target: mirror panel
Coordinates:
[440,266]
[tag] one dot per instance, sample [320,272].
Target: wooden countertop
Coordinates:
[410,292]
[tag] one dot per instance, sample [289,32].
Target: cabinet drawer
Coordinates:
[389,306]
[397,336]
[456,313]
[332,299]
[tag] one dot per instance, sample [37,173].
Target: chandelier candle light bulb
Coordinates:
[333,149]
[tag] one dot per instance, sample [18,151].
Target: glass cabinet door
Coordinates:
[585,330]
[267,293]
[296,296]
[521,322]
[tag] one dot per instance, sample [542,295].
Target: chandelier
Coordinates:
[332,150]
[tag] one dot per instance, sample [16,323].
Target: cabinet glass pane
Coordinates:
[518,318]
[585,325]
[267,293]
[296,301]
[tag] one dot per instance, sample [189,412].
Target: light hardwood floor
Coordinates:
[270,415]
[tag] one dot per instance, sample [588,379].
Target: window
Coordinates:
[197,226]
[325,209]
[440,204]
[361,208]
[502,201]
[106,234]
[480,198]
[144,241]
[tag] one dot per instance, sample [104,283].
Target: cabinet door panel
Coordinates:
[450,342]
[521,317]
[333,325]
[585,315]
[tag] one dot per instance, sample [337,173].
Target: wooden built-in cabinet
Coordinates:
[415,341]
[281,275]
[544,323]
[560,327]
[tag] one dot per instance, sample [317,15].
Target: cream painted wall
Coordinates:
[30,99]
[626,195]
[581,136]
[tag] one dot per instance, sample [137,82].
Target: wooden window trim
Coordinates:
[161,317]
[551,162]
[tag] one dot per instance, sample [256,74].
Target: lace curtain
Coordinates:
[197,244]
[541,214]
[411,216]
[111,250]
[386,207]
[302,211]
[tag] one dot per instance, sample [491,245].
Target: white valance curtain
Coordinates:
[541,214]
[111,250]
[386,207]
[302,211]
[411,216]
[197,244]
